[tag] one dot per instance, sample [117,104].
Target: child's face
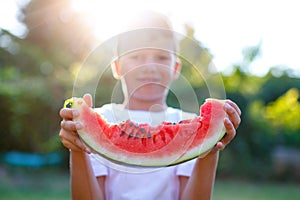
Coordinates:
[148,73]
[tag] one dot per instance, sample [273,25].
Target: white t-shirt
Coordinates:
[133,183]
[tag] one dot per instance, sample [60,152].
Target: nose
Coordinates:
[149,59]
[149,64]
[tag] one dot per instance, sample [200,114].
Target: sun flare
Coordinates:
[108,18]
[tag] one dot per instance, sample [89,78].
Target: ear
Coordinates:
[177,68]
[116,70]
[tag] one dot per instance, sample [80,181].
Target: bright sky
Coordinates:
[225,27]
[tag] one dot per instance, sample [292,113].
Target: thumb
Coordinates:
[88,99]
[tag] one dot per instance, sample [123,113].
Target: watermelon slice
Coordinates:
[144,145]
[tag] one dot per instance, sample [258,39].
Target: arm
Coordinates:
[199,185]
[201,188]
[84,184]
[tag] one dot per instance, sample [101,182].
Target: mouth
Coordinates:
[148,80]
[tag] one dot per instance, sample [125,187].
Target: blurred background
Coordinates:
[254,46]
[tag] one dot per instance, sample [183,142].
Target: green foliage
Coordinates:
[284,113]
[270,117]
[27,105]
[195,58]
[280,118]
[239,82]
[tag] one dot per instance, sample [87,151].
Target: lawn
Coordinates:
[52,183]
[34,184]
[241,190]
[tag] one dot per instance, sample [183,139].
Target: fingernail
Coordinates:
[226,106]
[88,150]
[78,125]
[227,121]
[75,113]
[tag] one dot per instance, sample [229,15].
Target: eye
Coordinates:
[163,57]
[134,57]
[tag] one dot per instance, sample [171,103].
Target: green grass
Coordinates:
[51,183]
[34,184]
[241,190]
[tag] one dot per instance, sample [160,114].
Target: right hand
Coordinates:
[68,132]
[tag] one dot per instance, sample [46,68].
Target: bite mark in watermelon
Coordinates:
[144,145]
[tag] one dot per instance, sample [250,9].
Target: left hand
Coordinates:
[231,123]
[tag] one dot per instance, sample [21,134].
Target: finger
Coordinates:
[70,125]
[73,142]
[67,135]
[233,115]
[71,146]
[74,147]
[235,106]
[230,132]
[220,146]
[88,99]
[68,113]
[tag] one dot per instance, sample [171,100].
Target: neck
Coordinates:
[152,106]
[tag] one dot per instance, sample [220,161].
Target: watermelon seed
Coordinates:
[137,135]
[142,130]
[130,135]
[148,135]
[130,123]
[123,133]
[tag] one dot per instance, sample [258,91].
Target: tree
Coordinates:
[36,74]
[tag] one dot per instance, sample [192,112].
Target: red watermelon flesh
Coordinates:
[151,146]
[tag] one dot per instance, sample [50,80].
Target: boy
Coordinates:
[146,74]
